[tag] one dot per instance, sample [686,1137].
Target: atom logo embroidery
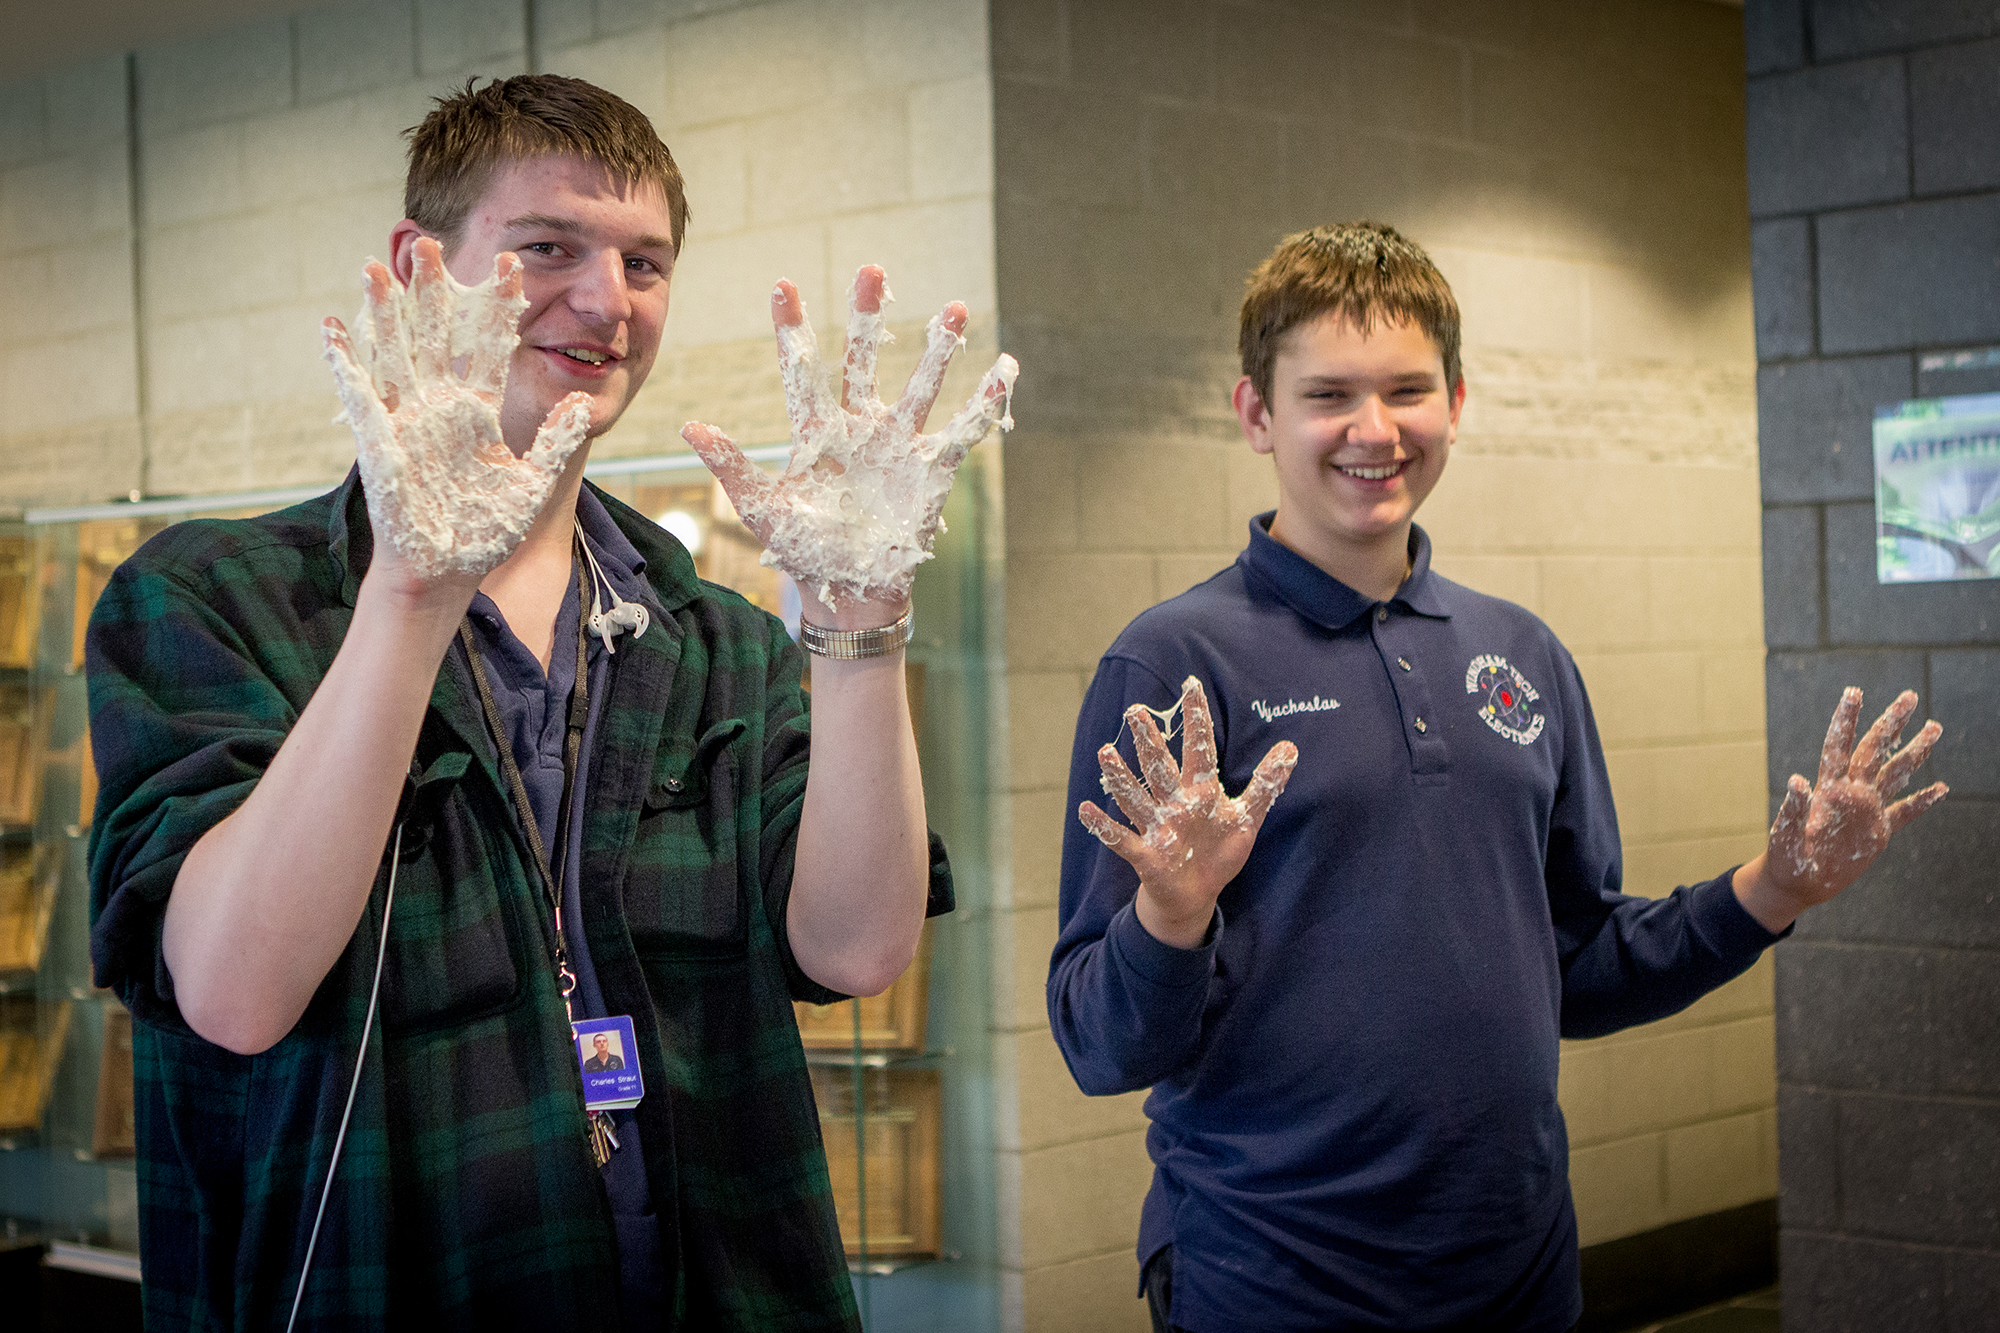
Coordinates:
[1507,698]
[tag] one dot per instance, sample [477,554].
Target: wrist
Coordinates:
[871,637]
[1772,905]
[857,614]
[1185,930]
[434,606]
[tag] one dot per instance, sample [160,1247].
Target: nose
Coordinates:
[599,293]
[1371,424]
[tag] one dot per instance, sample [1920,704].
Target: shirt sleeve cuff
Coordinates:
[1162,965]
[1725,923]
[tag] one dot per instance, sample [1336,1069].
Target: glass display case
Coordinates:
[902,1080]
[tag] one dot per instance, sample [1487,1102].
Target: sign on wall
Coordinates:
[1937,489]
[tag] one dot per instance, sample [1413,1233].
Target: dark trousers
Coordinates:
[1159,1280]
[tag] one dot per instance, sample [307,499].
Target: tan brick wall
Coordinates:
[1577,172]
[69,426]
[814,136]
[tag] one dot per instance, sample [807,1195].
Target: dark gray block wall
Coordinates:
[1874,159]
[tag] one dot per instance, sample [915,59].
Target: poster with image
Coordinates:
[1937,489]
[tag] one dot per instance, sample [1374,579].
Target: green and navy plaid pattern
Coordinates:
[467,1196]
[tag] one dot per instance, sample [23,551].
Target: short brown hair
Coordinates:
[1362,271]
[474,132]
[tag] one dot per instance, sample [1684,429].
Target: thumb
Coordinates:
[567,423]
[747,486]
[1788,829]
[1274,770]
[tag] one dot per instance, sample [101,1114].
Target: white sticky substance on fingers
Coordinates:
[867,333]
[861,501]
[442,487]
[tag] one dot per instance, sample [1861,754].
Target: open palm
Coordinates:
[1189,837]
[443,488]
[1829,831]
[861,501]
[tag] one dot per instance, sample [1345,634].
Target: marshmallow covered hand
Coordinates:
[1189,836]
[862,500]
[421,382]
[1829,831]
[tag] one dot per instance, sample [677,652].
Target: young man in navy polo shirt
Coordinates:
[1349,1019]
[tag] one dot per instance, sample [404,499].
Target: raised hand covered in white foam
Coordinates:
[1828,832]
[1189,837]
[443,488]
[861,502]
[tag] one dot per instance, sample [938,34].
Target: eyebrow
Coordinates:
[1424,377]
[571,227]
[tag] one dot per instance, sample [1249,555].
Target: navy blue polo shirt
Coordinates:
[1354,1116]
[534,707]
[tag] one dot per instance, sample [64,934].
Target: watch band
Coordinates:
[848,644]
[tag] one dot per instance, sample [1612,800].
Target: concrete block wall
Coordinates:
[269,164]
[1578,173]
[815,135]
[69,384]
[1875,193]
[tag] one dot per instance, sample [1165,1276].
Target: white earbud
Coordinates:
[622,615]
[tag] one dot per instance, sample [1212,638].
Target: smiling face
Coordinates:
[596,262]
[1359,424]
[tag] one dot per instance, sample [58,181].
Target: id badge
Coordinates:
[608,1056]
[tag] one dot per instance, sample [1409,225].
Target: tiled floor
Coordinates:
[1755,1313]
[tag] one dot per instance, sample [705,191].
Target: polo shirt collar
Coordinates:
[1324,599]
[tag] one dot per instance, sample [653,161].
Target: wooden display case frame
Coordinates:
[903,1125]
[31,1043]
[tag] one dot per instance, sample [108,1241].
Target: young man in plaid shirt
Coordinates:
[590,815]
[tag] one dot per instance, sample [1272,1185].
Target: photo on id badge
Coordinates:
[611,1078]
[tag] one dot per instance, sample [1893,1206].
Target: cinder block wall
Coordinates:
[267,163]
[69,392]
[1875,185]
[1578,173]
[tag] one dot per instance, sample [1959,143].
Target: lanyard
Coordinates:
[602,1140]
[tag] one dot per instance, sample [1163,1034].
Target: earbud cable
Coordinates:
[360,1058]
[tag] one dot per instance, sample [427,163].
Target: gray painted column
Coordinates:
[1874,161]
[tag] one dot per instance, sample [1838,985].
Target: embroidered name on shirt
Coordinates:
[1508,696]
[1291,706]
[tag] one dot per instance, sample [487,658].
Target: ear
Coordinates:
[402,260]
[1457,406]
[1252,414]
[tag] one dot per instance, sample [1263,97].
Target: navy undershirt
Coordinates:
[534,708]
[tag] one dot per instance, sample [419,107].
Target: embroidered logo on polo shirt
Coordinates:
[1508,697]
[1291,706]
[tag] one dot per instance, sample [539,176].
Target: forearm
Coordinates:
[1649,958]
[861,875]
[1125,1008]
[266,901]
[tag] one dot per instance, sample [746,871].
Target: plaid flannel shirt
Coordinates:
[466,1194]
